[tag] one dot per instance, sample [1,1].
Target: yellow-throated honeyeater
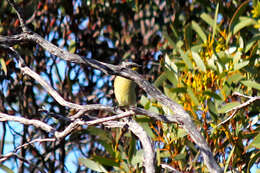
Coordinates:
[124,90]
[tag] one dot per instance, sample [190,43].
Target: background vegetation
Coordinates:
[198,52]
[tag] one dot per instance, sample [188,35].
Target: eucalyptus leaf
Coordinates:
[95,166]
[227,107]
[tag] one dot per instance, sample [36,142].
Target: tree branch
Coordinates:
[237,108]
[181,115]
[149,154]
[83,108]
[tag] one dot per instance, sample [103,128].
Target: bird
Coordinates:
[124,90]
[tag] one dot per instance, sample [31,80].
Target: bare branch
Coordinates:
[226,120]
[78,122]
[248,102]
[237,108]
[85,108]
[149,154]
[69,129]
[164,118]
[35,140]
[51,91]
[36,123]
[165,166]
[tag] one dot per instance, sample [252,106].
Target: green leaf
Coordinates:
[180,156]
[158,156]
[159,81]
[229,158]
[101,133]
[195,26]
[5,168]
[192,96]
[138,157]
[234,78]
[199,61]
[147,128]
[236,15]
[255,2]
[251,84]
[211,62]
[144,101]
[165,154]
[167,74]
[4,68]
[212,110]
[168,38]
[106,161]
[253,161]
[256,142]
[208,20]
[108,147]
[215,22]
[167,110]
[238,66]
[242,23]
[72,47]
[92,165]
[172,77]
[186,59]
[192,146]
[212,94]
[153,109]
[170,64]
[237,57]
[227,107]
[132,148]
[188,35]
[251,42]
[181,133]
[169,91]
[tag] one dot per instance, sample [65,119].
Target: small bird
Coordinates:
[124,90]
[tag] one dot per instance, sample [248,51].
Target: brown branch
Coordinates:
[69,129]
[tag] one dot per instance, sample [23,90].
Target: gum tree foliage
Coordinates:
[198,53]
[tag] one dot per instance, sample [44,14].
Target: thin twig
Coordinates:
[8,155]
[35,140]
[68,129]
[236,108]
[36,123]
[19,14]
[173,170]
[226,120]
